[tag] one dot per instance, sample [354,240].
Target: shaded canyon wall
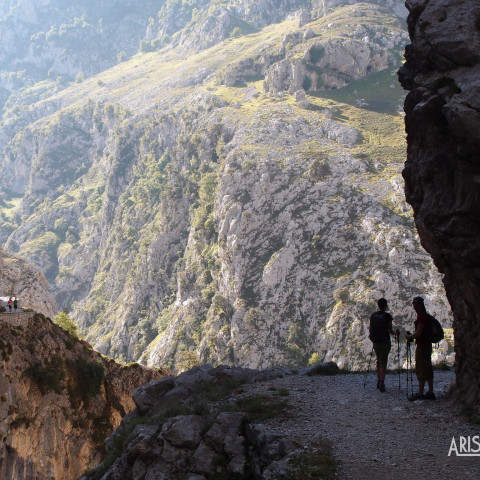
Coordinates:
[442,171]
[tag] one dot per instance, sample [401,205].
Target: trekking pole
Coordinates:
[408,354]
[409,368]
[368,369]
[411,372]
[398,356]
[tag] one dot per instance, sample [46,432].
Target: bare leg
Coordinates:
[421,386]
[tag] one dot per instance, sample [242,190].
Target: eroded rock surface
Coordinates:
[20,279]
[58,399]
[201,436]
[316,417]
[442,171]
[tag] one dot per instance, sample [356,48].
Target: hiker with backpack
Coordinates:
[424,331]
[380,331]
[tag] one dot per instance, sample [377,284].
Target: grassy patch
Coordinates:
[283,392]
[379,92]
[259,407]
[317,463]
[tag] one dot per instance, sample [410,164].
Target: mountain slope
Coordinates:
[184,204]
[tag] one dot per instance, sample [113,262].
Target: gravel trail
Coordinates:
[378,435]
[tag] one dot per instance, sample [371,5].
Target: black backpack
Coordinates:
[379,327]
[434,332]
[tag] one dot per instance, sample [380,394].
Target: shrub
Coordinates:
[89,378]
[236,32]
[319,169]
[48,378]
[315,358]
[121,56]
[307,83]
[341,295]
[145,46]
[186,360]
[64,321]
[317,462]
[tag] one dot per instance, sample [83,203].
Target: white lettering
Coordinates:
[463,445]
[477,443]
[453,446]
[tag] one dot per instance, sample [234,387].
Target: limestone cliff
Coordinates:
[442,172]
[58,399]
[20,279]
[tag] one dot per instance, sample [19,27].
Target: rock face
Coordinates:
[58,399]
[160,439]
[442,172]
[20,279]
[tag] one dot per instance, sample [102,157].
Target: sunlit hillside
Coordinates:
[231,193]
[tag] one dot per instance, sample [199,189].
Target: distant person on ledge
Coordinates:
[423,352]
[10,304]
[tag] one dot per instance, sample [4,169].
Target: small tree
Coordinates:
[80,77]
[186,360]
[145,46]
[236,32]
[63,320]
[314,359]
[121,56]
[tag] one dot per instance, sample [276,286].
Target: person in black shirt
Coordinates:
[380,331]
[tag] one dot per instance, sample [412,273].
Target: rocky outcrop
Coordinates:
[20,279]
[58,400]
[186,427]
[442,171]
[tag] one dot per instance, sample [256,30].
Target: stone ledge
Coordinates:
[16,318]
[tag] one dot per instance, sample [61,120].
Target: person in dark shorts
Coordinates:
[380,331]
[423,352]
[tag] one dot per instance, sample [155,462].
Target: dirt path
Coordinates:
[378,435]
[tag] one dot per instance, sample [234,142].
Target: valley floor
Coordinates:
[377,435]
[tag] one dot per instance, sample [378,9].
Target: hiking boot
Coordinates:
[381,386]
[430,396]
[417,396]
